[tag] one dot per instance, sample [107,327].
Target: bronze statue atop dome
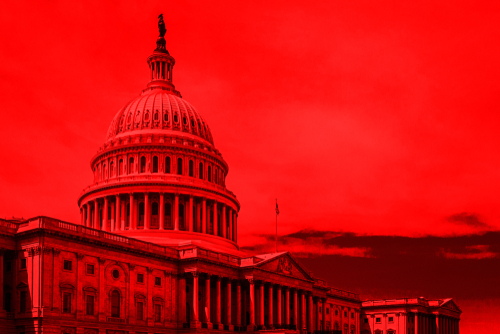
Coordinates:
[161,26]
[160,42]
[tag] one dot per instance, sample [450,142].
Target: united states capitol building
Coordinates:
[156,248]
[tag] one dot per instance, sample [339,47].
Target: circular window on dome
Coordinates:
[116,274]
[176,118]
[184,120]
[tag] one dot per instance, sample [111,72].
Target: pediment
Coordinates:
[284,264]
[450,305]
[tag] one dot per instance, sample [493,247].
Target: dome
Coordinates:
[158,177]
[158,111]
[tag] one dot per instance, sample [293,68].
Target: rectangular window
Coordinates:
[336,312]
[391,319]
[140,309]
[352,315]
[327,311]
[157,312]
[377,320]
[66,302]
[90,305]
[8,266]
[90,269]
[365,320]
[158,281]
[22,304]
[67,265]
[23,263]
[140,278]
[345,313]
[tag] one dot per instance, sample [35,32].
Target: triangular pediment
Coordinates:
[450,305]
[284,264]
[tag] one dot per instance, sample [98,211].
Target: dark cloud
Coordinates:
[468,219]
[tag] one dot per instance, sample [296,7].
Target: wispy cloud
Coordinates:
[468,219]
[475,252]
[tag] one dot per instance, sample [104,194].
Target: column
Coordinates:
[146,211]
[2,281]
[162,210]
[316,320]
[261,306]
[310,313]
[218,297]
[123,215]
[196,308]
[252,304]
[228,305]
[238,304]
[295,310]
[105,215]
[235,230]
[102,285]
[96,224]
[303,309]
[87,207]
[416,323]
[204,216]
[323,316]
[176,213]
[224,229]
[81,215]
[437,324]
[131,207]
[118,220]
[182,301]
[270,306]
[287,306]
[113,221]
[191,210]
[207,300]
[230,236]
[278,306]
[216,223]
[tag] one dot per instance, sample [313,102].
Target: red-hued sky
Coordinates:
[370,121]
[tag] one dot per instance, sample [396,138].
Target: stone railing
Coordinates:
[8,224]
[342,293]
[401,301]
[203,253]
[130,243]
[167,178]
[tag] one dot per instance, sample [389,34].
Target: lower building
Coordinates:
[410,316]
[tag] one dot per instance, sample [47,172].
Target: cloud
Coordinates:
[475,252]
[308,243]
[468,219]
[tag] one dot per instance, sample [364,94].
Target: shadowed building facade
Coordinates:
[156,248]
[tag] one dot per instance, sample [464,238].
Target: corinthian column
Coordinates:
[162,211]
[146,211]
[118,218]
[176,213]
[252,304]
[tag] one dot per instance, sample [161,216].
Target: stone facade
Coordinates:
[411,316]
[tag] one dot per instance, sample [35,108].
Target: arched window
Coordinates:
[181,217]
[156,115]
[131,165]
[168,216]
[155,164]
[167,165]
[154,215]
[191,168]
[141,215]
[209,173]
[200,171]
[215,175]
[115,304]
[179,166]
[111,169]
[120,167]
[143,164]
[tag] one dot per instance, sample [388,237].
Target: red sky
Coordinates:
[375,119]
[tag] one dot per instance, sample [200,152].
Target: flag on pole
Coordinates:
[277,210]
